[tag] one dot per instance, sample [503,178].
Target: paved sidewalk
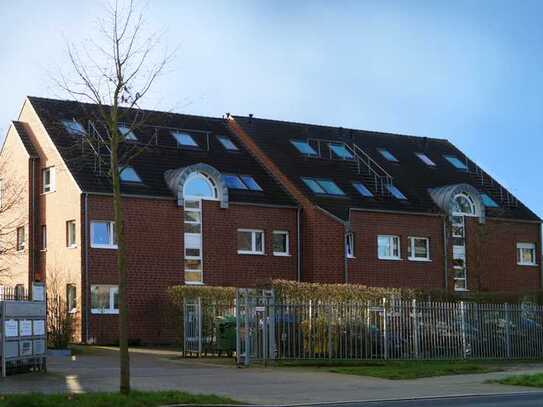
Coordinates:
[152,370]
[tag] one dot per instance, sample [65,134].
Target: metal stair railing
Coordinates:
[485,180]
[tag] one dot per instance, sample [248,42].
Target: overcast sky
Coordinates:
[468,71]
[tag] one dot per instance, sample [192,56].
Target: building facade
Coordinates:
[238,201]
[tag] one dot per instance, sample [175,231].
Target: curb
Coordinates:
[347,402]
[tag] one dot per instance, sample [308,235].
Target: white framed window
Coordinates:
[458,226]
[71,298]
[418,249]
[227,143]
[21,238]
[464,205]
[280,243]
[425,159]
[104,299]
[103,234]
[349,245]
[43,237]
[193,232]
[526,254]
[71,238]
[184,139]
[48,180]
[388,247]
[250,241]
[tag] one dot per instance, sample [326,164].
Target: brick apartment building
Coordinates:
[237,201]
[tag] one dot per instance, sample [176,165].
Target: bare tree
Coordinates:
[115,75]
[12,214]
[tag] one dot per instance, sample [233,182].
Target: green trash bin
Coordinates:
[226,334]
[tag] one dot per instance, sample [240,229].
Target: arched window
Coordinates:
[199,185]
[464,205]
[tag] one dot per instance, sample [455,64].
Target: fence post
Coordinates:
[199,313]
[463,328]
[329,331]
[238,326]
[385,333]
[507,330]
[247,359]
[415,329]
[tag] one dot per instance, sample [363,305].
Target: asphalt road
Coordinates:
[508,400]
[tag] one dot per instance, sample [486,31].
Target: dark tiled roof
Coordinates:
[410,174]
[160,152]
[23,135]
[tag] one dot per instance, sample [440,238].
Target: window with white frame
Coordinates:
[250,241]
[388,247]
[526,254]
[71,297]
[280,243]
[349,245]
[193,238]
[71,239]
[20,238]
[103,234]
[418,249]
[458,226]
[48,179]
[104,299]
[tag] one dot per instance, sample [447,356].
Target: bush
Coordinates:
[60,324]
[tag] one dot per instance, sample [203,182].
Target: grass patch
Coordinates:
[530,380]
[402,370]
[134,399]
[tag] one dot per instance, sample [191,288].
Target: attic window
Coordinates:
[304,147]
[241,182]
[341,151]
[184,139]
[323,186]
[396,193]
[456,163]
[425,159]
[73,127]
[387,154]
[488,201]
[128,174]
[362,190]
[127,133]
[227,143]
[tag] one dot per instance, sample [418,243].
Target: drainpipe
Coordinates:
[445,253]
[86,271]
[34,227]
[299,244]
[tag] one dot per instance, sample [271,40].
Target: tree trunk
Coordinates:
[121,261]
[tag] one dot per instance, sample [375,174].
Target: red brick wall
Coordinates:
[154,236]
[222,263]
[366,268]
[492,257]
[323,250]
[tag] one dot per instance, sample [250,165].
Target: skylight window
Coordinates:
[227,143]
[127,133]
[488,201]
[341,151]
[241,182]
[396,193]
[425,159]
[250,183]
[387,154]
[184,139]
[304,147]
[323,186]
[362,190]
[128,174]
[456,162]
[74,127]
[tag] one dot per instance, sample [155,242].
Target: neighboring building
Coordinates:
[238,201]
